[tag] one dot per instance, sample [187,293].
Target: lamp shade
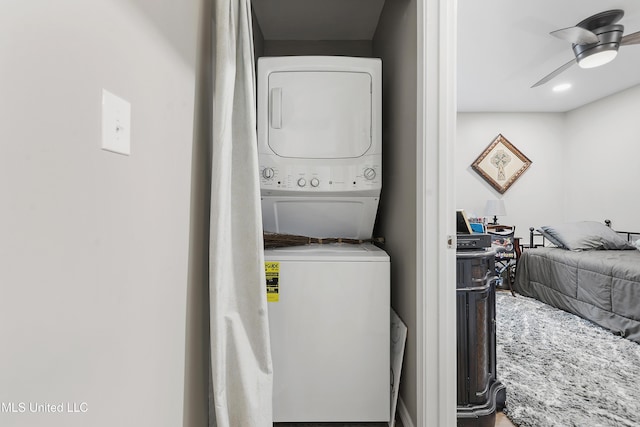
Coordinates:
[495,207]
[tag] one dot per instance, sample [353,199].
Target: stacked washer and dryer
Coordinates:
[320,155]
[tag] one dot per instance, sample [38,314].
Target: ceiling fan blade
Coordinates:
[576,35]
[554,73]
[633,38]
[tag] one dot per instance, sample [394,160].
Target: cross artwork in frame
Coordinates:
[501,164]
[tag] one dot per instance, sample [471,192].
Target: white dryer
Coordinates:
[319,144]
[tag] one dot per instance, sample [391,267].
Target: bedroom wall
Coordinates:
[537,197]
[582,163]
[95,245]
[602,167]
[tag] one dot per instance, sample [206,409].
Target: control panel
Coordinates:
[354,177]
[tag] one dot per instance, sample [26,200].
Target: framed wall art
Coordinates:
[501,164]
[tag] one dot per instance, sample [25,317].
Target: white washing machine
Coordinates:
[330,333]
[320,155]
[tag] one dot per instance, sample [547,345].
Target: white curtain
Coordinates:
[241,370]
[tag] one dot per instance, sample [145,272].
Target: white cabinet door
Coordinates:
[320,115]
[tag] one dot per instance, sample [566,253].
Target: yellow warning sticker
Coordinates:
[272,271]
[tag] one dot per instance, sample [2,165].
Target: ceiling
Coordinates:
[318,19]
[504,47]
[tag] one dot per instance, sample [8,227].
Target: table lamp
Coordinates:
[495,207]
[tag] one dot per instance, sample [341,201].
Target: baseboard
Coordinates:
[403,412]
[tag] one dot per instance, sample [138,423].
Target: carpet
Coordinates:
[561,370]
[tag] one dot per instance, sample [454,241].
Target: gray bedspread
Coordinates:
[599,285]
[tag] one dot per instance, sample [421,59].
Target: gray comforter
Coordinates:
[598,285]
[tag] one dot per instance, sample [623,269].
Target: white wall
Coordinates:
[537,196]
[94,245]
[318,47]
[258,37]
[602,161]
[196,378]
[395,41]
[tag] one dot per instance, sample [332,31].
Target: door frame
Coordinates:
[436,310]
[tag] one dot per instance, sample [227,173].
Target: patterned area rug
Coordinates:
[561,370]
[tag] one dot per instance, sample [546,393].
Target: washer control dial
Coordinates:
[369,173]
[268,173]
[315,182]
[302,182]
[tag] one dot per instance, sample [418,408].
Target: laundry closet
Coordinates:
[365,29]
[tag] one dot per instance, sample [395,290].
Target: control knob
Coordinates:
[315,182]
[302,182]
[369,173]
[267,173]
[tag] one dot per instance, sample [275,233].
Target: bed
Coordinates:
[589,270]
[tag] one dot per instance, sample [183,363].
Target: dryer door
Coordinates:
[320,114]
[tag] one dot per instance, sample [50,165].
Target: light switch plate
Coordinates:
[116,124]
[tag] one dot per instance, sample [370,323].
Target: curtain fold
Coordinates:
[241,370]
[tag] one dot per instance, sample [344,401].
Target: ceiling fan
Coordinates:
[595,41]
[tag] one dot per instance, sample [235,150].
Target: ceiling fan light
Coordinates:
[597,58]
[562,87]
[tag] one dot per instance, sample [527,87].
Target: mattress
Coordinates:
[602,286]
